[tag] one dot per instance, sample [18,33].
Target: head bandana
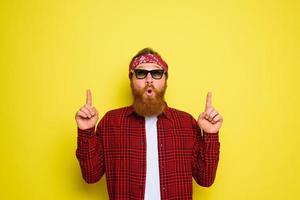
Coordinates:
[148,58]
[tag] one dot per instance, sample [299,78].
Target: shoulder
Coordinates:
[181,119]
[117,112]
[113,118]
[176,113]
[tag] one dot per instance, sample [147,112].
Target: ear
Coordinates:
[130,75]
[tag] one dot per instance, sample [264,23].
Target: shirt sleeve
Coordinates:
[205,156]
[90,154]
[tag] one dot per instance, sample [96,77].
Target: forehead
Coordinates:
[148,66]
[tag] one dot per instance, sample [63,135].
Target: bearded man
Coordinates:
[148,150]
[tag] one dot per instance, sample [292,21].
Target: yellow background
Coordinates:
[245,52]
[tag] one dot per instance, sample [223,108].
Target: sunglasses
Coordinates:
[142,73]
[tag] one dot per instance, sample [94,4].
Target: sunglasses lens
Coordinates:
[157,74]
[140,73]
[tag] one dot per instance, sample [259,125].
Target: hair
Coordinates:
[146,50]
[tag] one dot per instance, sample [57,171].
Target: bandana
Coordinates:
[148,58]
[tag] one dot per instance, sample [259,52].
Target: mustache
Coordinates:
[147,87]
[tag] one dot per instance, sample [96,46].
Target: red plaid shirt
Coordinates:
[118,149]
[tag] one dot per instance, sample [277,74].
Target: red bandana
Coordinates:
[148,58]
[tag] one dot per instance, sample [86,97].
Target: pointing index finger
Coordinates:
[208,101]
[88,97]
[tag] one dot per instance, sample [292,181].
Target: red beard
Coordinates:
[148,105]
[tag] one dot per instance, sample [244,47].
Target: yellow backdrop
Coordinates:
[245,52]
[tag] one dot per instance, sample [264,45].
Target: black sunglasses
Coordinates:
[155,73]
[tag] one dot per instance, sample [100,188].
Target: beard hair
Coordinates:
[148,106]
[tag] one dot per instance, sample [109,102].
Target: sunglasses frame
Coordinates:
[148,71]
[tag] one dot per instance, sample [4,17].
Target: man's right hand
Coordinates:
[87,116]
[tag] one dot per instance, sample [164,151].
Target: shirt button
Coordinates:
[164,188]
[142,142]
[161,145]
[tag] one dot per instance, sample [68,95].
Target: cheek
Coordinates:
[160,84]
[137,84]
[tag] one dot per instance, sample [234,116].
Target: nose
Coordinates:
[149,78]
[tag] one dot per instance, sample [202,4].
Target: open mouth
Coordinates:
[149,91]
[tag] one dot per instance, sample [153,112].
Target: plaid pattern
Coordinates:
[118,149]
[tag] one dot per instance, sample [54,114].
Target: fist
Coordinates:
[87,116]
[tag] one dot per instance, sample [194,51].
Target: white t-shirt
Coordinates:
[152,190]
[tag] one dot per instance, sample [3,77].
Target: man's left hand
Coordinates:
[210,121]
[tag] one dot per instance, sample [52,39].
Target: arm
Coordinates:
[207,146]
[205,156]
[90,154]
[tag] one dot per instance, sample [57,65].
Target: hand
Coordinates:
[87,116]
[210,121]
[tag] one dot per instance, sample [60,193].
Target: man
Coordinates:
[148,150]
